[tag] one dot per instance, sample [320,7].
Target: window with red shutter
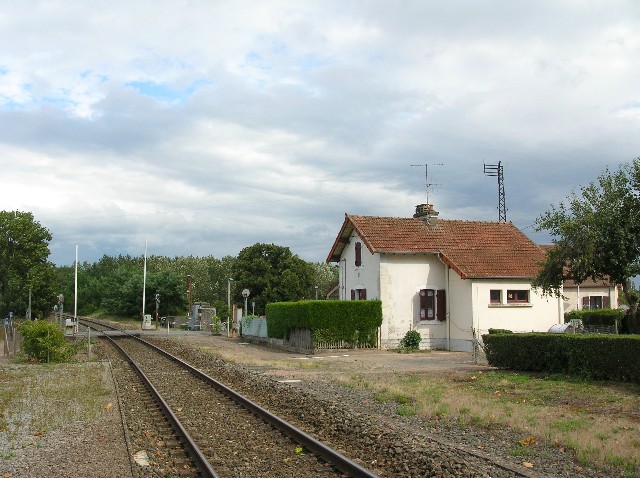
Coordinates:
[423,304]
[358,254]
[427,304]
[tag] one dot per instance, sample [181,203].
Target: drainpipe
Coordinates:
[448,310]
[448,299]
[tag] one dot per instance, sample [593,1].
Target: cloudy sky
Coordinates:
[205,126]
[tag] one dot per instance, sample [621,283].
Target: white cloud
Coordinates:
[206,127]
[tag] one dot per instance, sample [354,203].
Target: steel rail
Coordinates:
[327,453]
[201,461]
[341,462]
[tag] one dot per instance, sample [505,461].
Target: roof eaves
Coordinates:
[453,266]
[334,255]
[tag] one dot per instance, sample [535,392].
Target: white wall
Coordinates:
[460,313]
[401,278]
[363,276]
[536,316]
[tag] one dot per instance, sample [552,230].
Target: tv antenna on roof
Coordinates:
[497,170]
[427,184]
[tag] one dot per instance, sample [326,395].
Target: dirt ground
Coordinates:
[273,361]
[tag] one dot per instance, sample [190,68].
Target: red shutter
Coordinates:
[358,254]
[353,294]
[363,294]
[441,305]
[585,303]
[605,302]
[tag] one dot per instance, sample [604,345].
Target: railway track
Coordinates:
[238,446]
[214,431]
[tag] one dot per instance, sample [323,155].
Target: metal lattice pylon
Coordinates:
[497,170]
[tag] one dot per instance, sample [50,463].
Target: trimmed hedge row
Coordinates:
[600,357]
[354,321]
[607,317]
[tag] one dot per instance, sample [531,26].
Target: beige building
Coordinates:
[589,295]
[450,280]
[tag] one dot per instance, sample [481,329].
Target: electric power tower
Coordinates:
[497,170]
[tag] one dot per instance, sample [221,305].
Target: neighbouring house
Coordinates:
[589,295]
[450,280]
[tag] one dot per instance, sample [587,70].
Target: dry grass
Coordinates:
[599,421]
[35,399]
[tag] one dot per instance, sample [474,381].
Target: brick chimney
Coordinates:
[427,213]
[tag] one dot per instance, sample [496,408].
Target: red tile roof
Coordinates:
[472,248]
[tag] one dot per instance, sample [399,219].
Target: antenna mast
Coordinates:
[427,184]
[497,170]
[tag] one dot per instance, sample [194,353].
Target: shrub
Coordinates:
[411,340]
[500,331]
[216,325]
[595,317]
[352,321]
[45,342]
[602,357]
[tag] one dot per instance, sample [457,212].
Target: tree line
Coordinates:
[113,285]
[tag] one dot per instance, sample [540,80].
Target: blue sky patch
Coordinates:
[166,92]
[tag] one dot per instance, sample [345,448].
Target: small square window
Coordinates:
[517,296]
[495,296]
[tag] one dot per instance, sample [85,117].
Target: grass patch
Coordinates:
[405,410]
[589,418]
[382,398]
[570,425]
[35,399]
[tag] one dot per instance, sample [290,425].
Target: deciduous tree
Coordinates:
[273,274]
[24,265]
[596,235]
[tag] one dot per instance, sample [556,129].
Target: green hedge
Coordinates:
[354,321]
[600,317]
[601,357]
